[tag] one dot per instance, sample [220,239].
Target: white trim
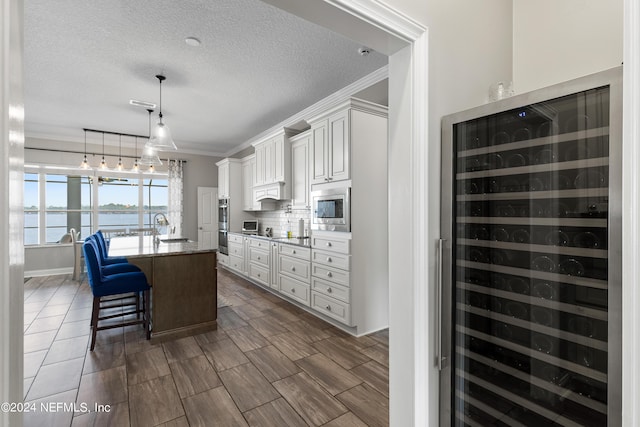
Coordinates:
[317,108]
[11,209]
[630,218]
[382,16]
[49,272]
[422,249]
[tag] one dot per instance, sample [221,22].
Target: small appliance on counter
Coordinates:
[250,226]
[268,232]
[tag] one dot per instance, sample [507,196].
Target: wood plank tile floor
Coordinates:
[269,363]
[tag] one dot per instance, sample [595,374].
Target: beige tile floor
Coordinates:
[268,364]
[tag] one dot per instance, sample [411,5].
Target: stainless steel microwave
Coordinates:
[331,209]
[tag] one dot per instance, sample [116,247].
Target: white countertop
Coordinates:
[133,246]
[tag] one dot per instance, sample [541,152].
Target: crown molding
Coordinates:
[318,108]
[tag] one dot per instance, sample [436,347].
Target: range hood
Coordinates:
[273,191]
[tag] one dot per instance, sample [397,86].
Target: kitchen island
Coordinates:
[182,275]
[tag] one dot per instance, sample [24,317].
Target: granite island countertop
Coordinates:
[138,246]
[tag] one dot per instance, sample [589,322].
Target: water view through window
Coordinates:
[55,203]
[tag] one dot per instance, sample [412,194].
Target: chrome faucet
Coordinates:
[162,221]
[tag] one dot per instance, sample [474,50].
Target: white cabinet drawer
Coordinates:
[259,274]
[236,249]
[295,289]
[329,289]
[258,243]
[294,267]
[341,311]
[327,243]
[237,263]
[259,256]
[295,251]
[331,259]
[235,238]
[330,274]
[223,259]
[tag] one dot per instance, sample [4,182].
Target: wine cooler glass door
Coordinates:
[532,274]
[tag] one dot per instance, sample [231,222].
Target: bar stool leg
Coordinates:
[94,321]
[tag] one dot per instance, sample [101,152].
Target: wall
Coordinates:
[469,49]
[555,41]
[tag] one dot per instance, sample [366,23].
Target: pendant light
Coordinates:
[119,166]
[103,163]
[161,139]
[85,162]
[136,167]
[149,156]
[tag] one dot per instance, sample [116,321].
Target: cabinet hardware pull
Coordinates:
[329,274]
[328,259]
[328,243]
[293,269]
[258,257]
[329,290]
[293,252]
[328,308]
[293,290]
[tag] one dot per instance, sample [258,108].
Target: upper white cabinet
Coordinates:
[300,198]
[331,149]
[273,161]
[223,180]
[229,179]
[248,168]
[332,137]
[272,179]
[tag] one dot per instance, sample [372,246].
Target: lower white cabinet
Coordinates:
[259,273]
[339,310]
[330,289]
[294,289]
[223,259]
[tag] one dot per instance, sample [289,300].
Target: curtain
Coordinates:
[176,171]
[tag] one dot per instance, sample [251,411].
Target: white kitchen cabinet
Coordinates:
[331,149]
[273,168]
[248,167]
[301,185]
[331,276]
[249,200]
[223,180]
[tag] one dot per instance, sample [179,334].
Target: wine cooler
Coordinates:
[530,257]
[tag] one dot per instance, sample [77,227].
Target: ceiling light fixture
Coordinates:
[136,167]
[103,164]
[192,41]
[149,156]
[85,162]
[161,139]
[144,104]
[120,166]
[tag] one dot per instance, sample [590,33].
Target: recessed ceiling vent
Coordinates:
[143,104]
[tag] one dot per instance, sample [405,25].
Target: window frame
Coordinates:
[43,170]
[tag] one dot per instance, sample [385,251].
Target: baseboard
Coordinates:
[49,272]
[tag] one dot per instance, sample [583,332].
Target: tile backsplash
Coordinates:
[284,219]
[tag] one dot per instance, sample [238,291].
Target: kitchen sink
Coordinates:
[175,240]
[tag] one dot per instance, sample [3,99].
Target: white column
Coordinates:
[11,208]
[631,216]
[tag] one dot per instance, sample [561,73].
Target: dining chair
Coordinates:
[116,288]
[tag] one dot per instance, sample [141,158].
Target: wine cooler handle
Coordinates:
[440,259]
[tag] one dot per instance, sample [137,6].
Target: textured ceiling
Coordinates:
[257,66]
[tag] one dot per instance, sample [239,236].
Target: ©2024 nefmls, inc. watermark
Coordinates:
[53,407]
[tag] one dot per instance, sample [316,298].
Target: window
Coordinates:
[31,209]
[55,203]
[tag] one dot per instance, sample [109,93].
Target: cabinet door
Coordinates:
[278,159]
[339,146]
[223,181]
[269,162]
[247,184]
[319,153]
[300,173]
[258,178]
